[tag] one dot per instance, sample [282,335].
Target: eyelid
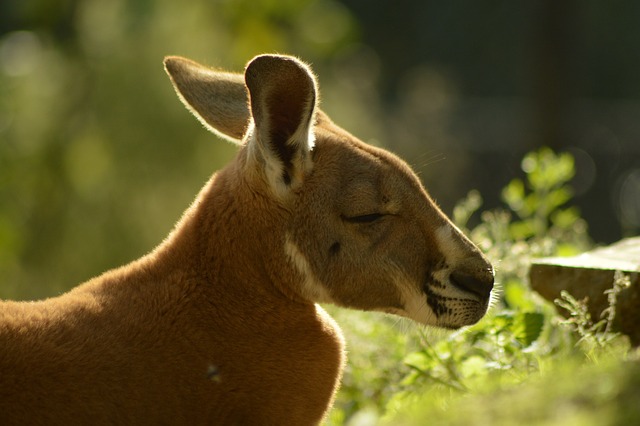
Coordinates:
[365,218]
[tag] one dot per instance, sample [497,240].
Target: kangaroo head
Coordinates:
[361,230]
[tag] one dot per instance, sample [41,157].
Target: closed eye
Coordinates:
[365,218]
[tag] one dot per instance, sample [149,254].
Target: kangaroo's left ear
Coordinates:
[218,99]
[283,98]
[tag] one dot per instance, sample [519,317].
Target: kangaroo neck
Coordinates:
[230,250]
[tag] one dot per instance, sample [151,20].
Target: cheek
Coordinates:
[358,277]
[358,270]
[422,245]
[364,288]
[320,247]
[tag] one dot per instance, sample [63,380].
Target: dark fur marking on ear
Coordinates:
[284,152]
[286,177]
[291,114]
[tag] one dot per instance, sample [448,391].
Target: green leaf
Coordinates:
[466,207]
[558,197]
[522,230]
[419,360]
[528,327]
[513,195]
[565,218]
[474,366]
[502,321]
[517,296]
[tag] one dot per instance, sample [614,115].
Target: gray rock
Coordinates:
[589,275]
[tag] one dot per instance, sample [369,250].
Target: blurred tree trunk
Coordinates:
[554,46]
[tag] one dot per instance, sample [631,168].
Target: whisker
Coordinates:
[426,159]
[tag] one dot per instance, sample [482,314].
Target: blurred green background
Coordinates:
[98,158]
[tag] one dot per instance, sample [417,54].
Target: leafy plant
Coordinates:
[540,209]
[500,344]
[579,321]
[534,222]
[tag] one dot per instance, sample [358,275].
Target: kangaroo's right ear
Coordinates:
[283,98]
[218,99]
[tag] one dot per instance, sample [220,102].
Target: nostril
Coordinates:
[478,285]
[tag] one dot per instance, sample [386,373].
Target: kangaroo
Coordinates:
[220,324]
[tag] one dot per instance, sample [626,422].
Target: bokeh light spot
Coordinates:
[19,53]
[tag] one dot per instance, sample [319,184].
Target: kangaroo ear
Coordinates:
[218,99]
[283,94]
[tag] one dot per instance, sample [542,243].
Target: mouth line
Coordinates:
[471,306]
[452,327]
[459,294]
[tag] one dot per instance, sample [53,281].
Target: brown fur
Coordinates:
[218,325]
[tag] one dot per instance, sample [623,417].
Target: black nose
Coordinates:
[479,284]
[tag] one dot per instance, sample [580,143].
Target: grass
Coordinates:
[571,392]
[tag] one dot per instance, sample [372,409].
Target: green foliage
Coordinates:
[535,221]
[376,349]
[571,393]
[540,209]
[522,336]
[500,344]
